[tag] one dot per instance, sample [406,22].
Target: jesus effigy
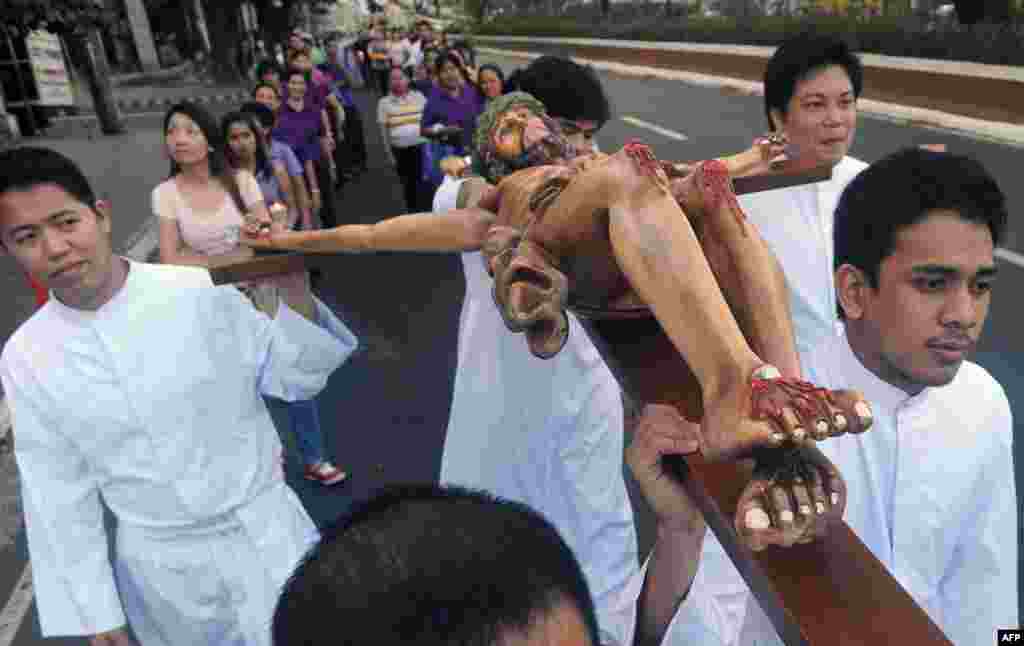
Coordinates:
[624,231]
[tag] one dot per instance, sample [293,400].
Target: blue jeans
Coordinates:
[304,419]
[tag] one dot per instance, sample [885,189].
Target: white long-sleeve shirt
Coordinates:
[548,433]
[152,402]
[796,222]
[930,492]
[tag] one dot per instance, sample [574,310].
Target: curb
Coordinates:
[997,132]
[158,75]
[166,102]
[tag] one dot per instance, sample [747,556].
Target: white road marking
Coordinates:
[640,123]
[1010,256]
[17,605]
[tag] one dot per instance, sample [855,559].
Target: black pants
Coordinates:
[409,166]
[351,153]
[383,78]
[328,197]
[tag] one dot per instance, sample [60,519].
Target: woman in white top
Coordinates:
[204,203]
[399,115]
[202,208]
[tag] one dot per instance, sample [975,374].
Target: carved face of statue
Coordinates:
[514,133]
[520,132]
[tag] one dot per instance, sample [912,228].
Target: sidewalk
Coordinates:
[894,109]
[161,95]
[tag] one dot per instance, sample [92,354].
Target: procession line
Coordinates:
[13,613]
[665,132]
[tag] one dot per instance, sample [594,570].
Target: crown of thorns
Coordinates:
[485,153]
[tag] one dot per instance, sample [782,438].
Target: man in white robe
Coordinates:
[931,487]
[548,433]
[811,86]
[140,387]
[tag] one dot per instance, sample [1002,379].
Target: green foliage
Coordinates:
[890,35]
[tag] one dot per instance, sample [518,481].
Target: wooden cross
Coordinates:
[832,591]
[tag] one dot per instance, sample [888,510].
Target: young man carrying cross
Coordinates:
[931,487]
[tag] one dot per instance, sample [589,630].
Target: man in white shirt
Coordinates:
[548,433]
[931,487]
[811,87]
[139,387]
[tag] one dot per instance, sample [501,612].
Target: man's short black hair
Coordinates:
[900,191]
[26,167]
[567,89]
[432,566]
[799,57]
[262,113]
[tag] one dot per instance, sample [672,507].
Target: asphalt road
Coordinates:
[386,410]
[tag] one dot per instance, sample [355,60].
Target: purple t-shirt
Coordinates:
[316,94]
[461,111]
[300,129]
[282,152]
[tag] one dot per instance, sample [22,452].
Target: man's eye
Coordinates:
[930,284]
[983,286]
[68,222]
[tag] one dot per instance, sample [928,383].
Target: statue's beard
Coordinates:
[551,148]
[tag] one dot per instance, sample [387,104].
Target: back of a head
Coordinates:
[900,191]
[434,566]
[799,56]
[567,89]
[24,168]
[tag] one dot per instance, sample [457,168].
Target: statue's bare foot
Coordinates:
[795,494]
[770,411]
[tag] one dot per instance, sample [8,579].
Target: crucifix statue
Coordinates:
[688,307]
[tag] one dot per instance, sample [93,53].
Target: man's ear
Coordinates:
[851,288]
[104,212]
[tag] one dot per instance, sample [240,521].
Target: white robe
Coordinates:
[548,433]
[796,223]
[153,404]
[931,493]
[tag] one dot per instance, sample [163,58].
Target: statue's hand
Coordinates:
[795,495]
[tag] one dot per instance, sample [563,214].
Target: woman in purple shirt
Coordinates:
[300,126]
[453,102]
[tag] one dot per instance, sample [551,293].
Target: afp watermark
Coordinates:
[1010,636]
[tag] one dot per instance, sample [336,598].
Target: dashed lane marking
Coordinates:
[665,132]
[17,606]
